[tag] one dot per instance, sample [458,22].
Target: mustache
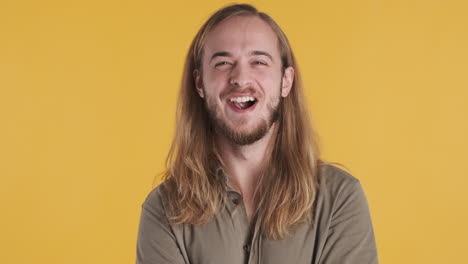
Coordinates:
[248,90]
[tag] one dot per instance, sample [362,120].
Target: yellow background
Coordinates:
[87,100]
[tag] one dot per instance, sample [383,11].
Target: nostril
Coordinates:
[234,82]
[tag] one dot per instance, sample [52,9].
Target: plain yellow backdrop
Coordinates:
[87,100]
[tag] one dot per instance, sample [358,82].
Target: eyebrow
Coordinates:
[221,54]
[264,53]
[228,54]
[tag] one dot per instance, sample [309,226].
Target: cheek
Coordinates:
[215,79]
[212,86]
[270,77]
[271,86]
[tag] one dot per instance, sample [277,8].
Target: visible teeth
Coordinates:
[242,99]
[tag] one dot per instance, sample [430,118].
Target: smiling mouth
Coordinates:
[242,104]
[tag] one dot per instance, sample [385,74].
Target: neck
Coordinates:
[244,164]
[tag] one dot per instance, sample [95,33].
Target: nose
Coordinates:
[240,76]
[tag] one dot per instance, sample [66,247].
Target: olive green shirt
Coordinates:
[341,231]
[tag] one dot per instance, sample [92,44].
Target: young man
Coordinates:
[244,182]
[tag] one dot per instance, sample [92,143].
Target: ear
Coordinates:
[288,79]
[198,83]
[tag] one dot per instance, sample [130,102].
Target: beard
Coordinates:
[239,137]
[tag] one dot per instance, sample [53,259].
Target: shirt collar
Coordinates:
[220,172]
[233,198]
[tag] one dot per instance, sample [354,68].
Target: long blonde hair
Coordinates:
[285,192]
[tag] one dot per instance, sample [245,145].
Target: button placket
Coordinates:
[254,245]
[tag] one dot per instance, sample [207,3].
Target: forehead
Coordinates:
[240,35]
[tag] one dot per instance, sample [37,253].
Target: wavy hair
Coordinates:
[287,188]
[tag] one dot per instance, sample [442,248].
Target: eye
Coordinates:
[222,63]
[260,62]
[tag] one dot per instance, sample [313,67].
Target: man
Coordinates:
[244,182]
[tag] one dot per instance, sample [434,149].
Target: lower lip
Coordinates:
[237,110]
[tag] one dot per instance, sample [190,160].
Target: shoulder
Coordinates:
[343,218]
[156,200]
[335,182]
[334,177]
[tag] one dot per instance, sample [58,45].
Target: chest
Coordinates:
[229,239]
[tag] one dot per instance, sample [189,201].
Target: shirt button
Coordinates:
[247,248]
